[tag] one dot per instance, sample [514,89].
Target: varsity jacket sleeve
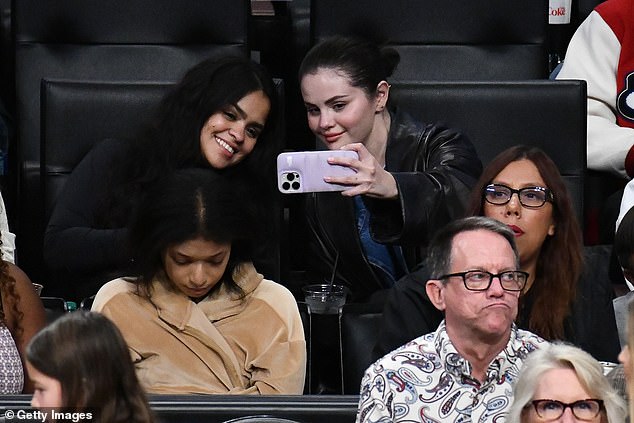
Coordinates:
[593,55]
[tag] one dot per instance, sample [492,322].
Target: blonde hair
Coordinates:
[560,355]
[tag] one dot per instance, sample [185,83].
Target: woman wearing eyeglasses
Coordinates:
[562,383]
[522,187]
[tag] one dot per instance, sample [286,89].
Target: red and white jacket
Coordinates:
[602,52]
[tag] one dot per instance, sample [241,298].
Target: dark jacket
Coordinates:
[408,312]
[82,252]
[434,167]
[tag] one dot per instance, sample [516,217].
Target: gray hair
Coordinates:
[440,248]
[560,355]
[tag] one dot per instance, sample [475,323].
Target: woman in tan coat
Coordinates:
[199,318]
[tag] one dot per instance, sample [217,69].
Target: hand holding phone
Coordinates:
[304,171]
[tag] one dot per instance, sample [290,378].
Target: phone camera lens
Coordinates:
[290,176]
[286,186]
[295,185]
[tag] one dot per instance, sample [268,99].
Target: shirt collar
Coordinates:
[460,368]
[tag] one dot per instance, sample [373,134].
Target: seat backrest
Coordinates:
[78,114]
[92,40]
[547,114]
[446,40]
[360,325]
[75,116]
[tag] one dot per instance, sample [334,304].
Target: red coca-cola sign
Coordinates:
[558,11]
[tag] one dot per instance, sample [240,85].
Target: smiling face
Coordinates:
[196,266]
[477,314]
[47,390]
[338,113]
[531,225]
[229,135]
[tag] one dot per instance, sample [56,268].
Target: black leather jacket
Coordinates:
[434,167]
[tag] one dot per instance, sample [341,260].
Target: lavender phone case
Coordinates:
[304,171]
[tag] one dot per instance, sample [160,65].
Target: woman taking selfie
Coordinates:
[409,178]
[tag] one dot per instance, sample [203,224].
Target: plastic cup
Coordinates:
[324,298]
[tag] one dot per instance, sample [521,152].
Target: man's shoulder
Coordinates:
[424,345]
[526,341]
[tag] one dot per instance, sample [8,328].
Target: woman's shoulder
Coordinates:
[273,289]
[406,128]
[616,13]
[119,286]
[278,298]
[103,155]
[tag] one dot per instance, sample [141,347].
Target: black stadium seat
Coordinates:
[93,40]
[446,40]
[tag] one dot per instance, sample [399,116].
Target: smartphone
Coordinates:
[304,171]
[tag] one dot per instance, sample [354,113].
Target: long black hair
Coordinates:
[363,62]
[189,204]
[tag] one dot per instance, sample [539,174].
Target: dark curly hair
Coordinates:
[7,287]
[172,139]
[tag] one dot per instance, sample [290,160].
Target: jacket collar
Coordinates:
[177,309]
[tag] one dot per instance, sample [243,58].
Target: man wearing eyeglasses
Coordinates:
[463,371]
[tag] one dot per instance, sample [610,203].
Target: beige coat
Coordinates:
[220,345]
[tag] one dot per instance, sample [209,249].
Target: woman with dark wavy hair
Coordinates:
[221,116]
[80,364]
[197,317]
[563,299]
[553,258]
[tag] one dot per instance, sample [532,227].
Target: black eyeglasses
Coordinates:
[586,409]
[531,197]
[480,280]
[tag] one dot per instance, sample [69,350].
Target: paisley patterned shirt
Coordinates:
[426,380]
